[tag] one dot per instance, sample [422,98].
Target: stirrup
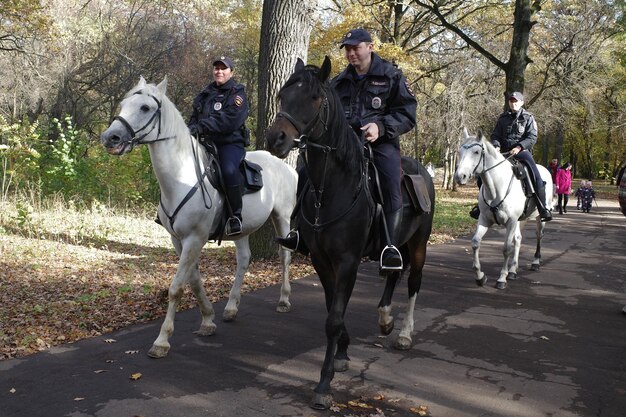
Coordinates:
[291,242]
[475,212]
[385,268]
[233,226]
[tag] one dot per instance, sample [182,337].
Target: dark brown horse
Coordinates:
[338,211]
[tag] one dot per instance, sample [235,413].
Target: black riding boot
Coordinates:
[293,242]
[233,224]
[475,212]
[540,198]
[390,258]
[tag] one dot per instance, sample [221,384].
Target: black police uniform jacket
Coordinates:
[383,96]
[515,129]
[219,113]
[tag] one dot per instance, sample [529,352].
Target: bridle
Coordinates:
[306,140]
[155,120]
[493,208]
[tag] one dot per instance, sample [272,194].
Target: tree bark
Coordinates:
[285,29]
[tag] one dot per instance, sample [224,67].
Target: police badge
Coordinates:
[376,102]
[217,106]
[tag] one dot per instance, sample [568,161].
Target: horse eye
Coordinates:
[145,108]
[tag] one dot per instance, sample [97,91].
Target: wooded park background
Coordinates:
[65,66]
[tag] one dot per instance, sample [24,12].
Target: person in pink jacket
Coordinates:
[563,186]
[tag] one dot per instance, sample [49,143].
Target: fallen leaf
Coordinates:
[99,371]
[378,345]
[131,352]
[359,404]
[544,337]
[110,340]
[422,410]
[12,390]
[78,399]
[379,397]
[135,376]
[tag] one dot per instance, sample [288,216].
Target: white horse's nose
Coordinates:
[460,179]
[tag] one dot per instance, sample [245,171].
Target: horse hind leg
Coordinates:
[281,226]
[539,235]
[414,283]
[234,297]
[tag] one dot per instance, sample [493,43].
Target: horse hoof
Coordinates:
[511,277]
[341,365]
[283,307]
[402,343]
[158,352]
[482,281]
[386,329]
[534,267]
[229,315]
[206,330]
[501,285]
[322,401]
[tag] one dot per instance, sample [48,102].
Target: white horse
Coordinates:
[191,208]
[501,201]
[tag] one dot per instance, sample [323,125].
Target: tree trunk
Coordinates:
[285,29]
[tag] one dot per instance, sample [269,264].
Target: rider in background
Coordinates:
[219,115]
[516,133]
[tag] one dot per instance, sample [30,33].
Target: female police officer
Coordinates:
[219,115]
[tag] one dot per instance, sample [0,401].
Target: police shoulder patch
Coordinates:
[408,87]
[238,101]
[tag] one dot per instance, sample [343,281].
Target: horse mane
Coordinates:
[172,122]
[339,134]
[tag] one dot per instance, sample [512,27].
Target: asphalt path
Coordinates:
[552,344]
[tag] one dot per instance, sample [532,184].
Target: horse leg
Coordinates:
[539,235]
[281,226]
[243,261]
[338,289]
[481,279]
[404,340]
[385,319]
[511,242]
[207,327]
[189,252]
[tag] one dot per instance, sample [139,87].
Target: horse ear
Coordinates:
[465,133]
[299,65]
[162,85]
[142,82]
[325,70]
[480,135]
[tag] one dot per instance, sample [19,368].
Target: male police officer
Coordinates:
[516,133]
[379,106]
[219,115]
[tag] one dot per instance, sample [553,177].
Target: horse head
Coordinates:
[304,109]
[139,119]
[471,156]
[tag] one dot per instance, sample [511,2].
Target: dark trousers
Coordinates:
[230,157]
[530,162]
[389,165]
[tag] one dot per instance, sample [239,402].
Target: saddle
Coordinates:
[252,182]
[415,199]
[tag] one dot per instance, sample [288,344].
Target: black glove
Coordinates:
[193,130]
